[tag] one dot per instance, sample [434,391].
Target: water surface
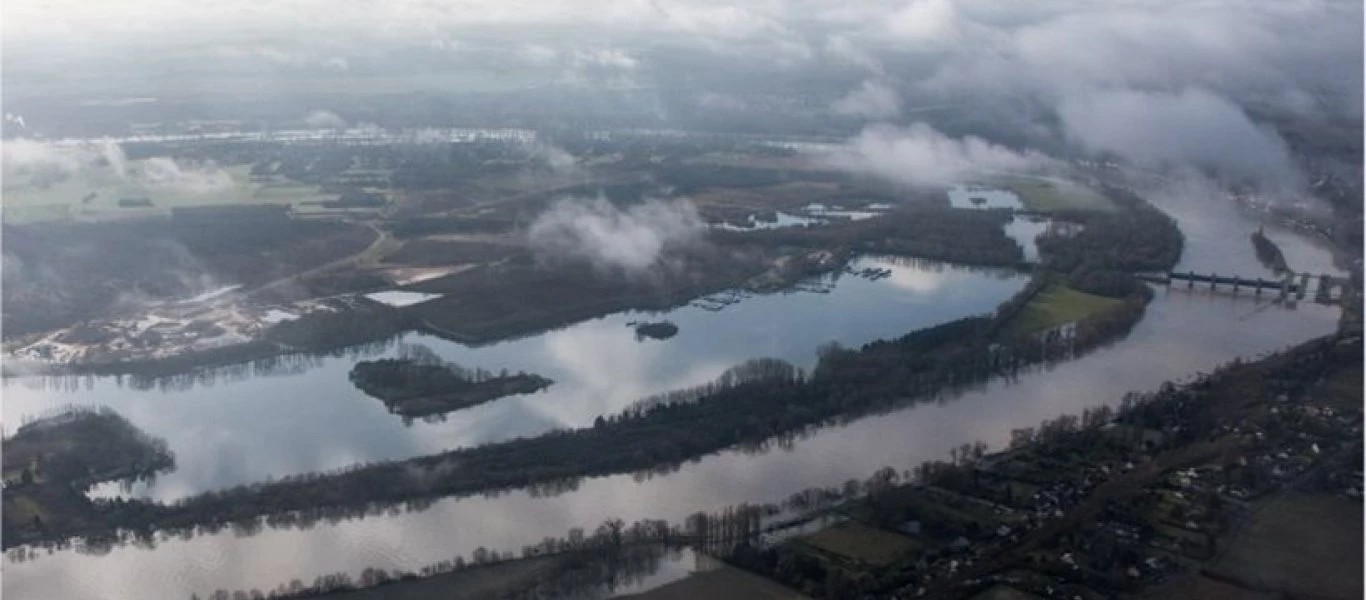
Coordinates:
[238,431]
[1184,332]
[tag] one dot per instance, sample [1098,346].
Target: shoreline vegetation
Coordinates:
[846,383]
[661,330]
[960,507]
[493,302]
[419,384]
[50,463]
[1268,253]
[758,401]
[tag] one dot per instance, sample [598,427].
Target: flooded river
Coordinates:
[244,430]
[237,431]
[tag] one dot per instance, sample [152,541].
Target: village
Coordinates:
[1159,498]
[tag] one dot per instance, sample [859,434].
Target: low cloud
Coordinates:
[1191,127]
[611,58]
[113,155]
[921,155]
[23,157]
[631,241]
[324,119]
[872,100]
[715,101]
[37,163]
[842,49]
[555,157]
[925,22]
[162,172]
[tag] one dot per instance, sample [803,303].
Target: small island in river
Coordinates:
[1268,252]
[662,330]
[413,387]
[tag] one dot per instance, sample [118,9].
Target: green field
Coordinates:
[1052,195]
[68,198]
[1058,305]
[863,544]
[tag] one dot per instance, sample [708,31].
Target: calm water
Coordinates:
[1183,332]
[1218,234]
[243,431]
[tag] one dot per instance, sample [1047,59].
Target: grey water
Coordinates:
[1183,332]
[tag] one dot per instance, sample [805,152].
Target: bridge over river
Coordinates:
[1300,284]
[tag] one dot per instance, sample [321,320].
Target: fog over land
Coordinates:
[1153,81]
[631,241]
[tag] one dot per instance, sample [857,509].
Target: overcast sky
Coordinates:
[1101,75]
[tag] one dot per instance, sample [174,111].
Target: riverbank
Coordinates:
[50,462]
[748,408]
[1118,503]
[1105,502]
[504,299]
[767,403]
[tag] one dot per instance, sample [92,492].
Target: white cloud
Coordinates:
[715,101]
[843,49]
[921,155]
[925,22]
[33,162]
[324,119]
[538,54]
[630,241]
[24,156]
[609,57]
[872,100]
[162,172]
[555,157]
[1192,127]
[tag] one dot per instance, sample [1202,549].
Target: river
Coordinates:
[243,424]
[233,431]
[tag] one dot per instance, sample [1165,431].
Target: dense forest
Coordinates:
[1268,253]
[969,237]
[420,384]
[49,463]
[1111,246]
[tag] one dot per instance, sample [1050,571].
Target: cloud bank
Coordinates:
[39,163]
[921,155]
[1039,71]
[324,119]
[1191,127]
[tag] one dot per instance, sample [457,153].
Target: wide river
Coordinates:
[238,430]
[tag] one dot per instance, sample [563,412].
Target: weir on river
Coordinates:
[1323,290]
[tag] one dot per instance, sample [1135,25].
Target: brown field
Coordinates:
[864,544]
[1299,544]
[1200,587]
[725,583]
